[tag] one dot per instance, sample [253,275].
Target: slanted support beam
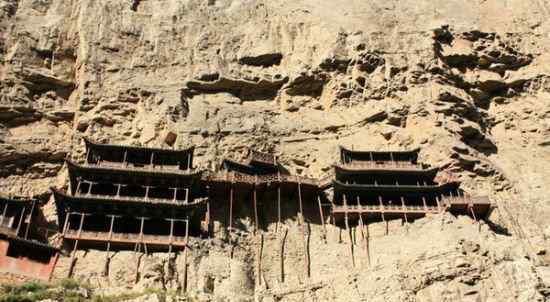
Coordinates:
[231,209]
[107,255]
[382,214]
[424,203]
[362,228]
[125,159]
[75,247]
[152,160]
[185,255]
[278,202]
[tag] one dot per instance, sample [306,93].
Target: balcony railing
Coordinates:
[259,179]
[134,199]
[145,168]
[125,237]
[396,165]
[385,209]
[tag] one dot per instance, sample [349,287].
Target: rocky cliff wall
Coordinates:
[467,81]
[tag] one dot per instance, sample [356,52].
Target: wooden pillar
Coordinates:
[348,230]
[27,228]
[254,197]
[147,192]
[66,224]
[302,230]
[77,191]
[20,220]
[231,208]
[278,205]
[186,195]
[152,163]
[90,184]
[4,212]
[189,161]
[361,227]
[75,247]
[118,188]
[404,209]
[282,255]
[382,213]
[322,216]
[438,204]
[185,255]
[125,159]
[107,256]
[424,203]
[171,237]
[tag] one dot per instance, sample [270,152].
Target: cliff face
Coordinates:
[467,81]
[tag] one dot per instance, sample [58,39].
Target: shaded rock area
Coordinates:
[467,81]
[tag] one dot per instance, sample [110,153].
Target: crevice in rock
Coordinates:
[245,89]
[265,60]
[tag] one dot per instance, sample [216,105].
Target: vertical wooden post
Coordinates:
[107,257]
[404,210]
[278,204]
[260,243]
[255,206]
[147,192]
[90,184]
[282,255]
[208,214]
[4,212]
[362,228]
[438,204]
[382,213]
[189,161]
[30,220]
[424,203]
[77,191]
[348,230]
[118,188]
[322,216]
[66,224]
[125,159]
[185,255]
[73,254]
[171,237]
[367,234]
[231,208]
[151,163]
[20,220]
[302,230]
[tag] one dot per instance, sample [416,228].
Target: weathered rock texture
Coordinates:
[468,81]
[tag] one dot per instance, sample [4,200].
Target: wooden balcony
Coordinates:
[353,209]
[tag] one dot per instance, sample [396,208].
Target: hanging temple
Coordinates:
[148,200]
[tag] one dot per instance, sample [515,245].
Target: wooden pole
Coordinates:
[73,254]
[107,257]
[302,230]
[185,255]
[383,216]
[27,228]
[278,206]
[20,221]
[260,243]
[367,242]
[4,212]
[322,216]
[255,208]
[348,230]
[282,255]
[230,209]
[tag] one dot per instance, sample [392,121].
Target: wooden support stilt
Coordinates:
[20,221]
[282,255]
[362,228]
[424,203]
[382,214]
[260,246]
[367,241]
[322,216]
[278,206]
[107,256]
[302,231]
[4,212]
[405,213]
[255,200]
[348,230]
[73,254]
[230,210]
[207,218]
[185,255]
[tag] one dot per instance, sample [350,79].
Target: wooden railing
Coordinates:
[125,237]
[358,165]
[259,179]
[146,168]
[385,208]
[135,199]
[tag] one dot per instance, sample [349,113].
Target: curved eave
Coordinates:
[428,172]
[413,153]
[339,186]
[90,144]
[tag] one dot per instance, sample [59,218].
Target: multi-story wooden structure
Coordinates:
[24,247]
[380,185]
[127,197]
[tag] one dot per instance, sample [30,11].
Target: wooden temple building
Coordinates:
[259,183]
[131,198]
[24,247]
[381,185]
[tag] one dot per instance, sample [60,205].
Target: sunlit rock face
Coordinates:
[467,81]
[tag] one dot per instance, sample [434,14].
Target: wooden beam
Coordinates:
[185,255]
[282,255]
[348,230]
[302,229]
[278,205]
[254,193]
